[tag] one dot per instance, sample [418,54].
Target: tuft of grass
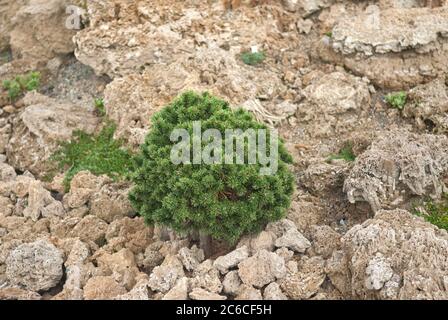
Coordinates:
[346,153]
[397,99]
[329,34]
[99,106]
[435,213]
[20,84]
[253,58]
[100,154]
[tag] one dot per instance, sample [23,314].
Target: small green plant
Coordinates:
[253,58]
[346,153]
[435,213]
[100,154]
[220,200]
[21,84]
[99,106]
[329,34]
[397,100]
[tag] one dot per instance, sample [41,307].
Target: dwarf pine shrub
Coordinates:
[223,201]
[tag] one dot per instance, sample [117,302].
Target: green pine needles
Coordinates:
[223,201]
[100,154]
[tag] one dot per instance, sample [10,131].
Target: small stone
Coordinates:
[273,292]
[165,276]
[261,269]
[293,240]
[191,258]
[231,283]
[9,109]
[248,293]
[102,288]
[230,260]
[179,291]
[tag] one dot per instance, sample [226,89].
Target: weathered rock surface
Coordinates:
[39,30]
[38,129]
[399,164]
[328,109]
[396,255]
[394,48]
[294,240]
[427,106]
[102,288]
[261,269]
[165,276]
[35,266]
[304,283]
[273,292]
[230,260]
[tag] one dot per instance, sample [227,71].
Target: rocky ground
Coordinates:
[349,233]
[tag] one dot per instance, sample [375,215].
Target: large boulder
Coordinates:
[397,165]
[334,103]
[39,30]
[395,255]
[7,11]
[37,130]
[427,105]
[395,48]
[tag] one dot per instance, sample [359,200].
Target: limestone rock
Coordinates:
[41,203]
[273,292]
[264,240]
[165,276]
[139,292]
[427,107]
[293,240]
[179,291]
[230,260]
[191,258]
[304,283]
[206,276]
[102,288]
[111,202]
[39,30]
[90,229]
[396,255]
[121,266]
[397,165]
[231,283]
[36,266]
[37,130]
[328,109]
[261,269]
[248,293]
[395,48]
[325,240]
